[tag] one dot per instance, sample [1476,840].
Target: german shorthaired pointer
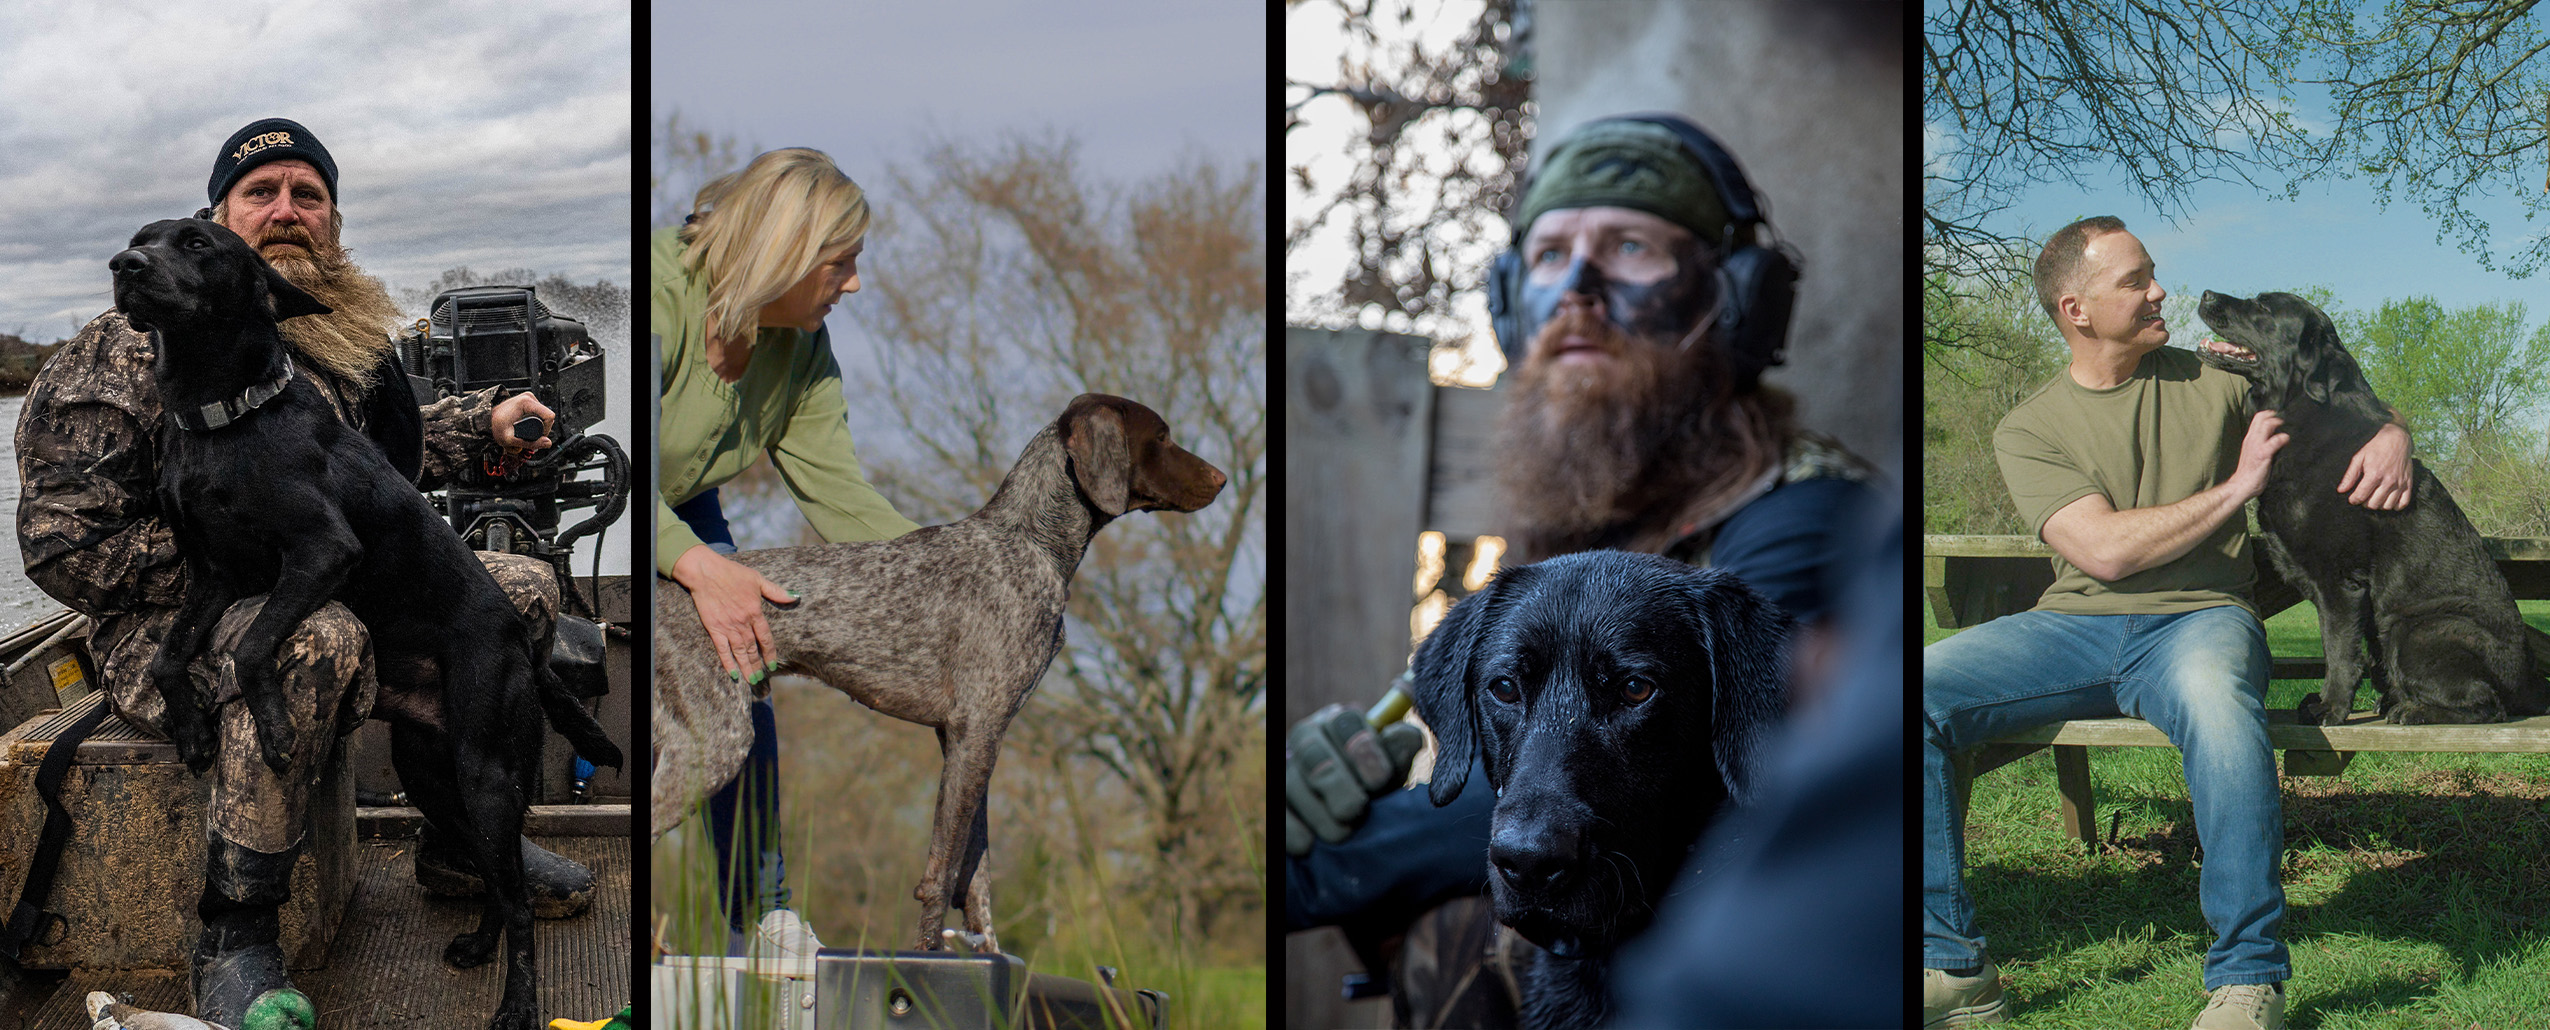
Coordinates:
[947,626]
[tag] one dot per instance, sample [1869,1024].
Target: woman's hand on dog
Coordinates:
[729,596]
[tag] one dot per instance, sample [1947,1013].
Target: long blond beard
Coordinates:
[349,341]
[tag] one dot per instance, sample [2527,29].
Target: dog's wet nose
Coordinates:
[129,261]
[1534,858]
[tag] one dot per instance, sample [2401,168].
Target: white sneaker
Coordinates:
[782,934]
[2244,1007]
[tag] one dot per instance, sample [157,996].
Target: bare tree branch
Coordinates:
[2436,101]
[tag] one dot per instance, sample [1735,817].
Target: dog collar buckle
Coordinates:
[224,412]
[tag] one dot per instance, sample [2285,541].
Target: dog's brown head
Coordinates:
[1123,459]
[189,272]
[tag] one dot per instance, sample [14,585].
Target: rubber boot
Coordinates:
[559,886]
[238,967]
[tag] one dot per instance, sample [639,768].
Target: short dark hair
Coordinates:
[2058,266]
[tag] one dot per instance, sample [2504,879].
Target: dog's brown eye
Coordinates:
[1503,688]
[1637,689]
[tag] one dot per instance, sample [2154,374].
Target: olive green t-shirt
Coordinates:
[2168,433]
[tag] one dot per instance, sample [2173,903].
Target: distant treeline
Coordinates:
[19,360]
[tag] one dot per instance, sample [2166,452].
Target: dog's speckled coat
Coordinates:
[947,626]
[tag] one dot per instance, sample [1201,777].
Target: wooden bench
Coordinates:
[1970,580]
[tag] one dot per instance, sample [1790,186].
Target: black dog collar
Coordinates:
[221,413]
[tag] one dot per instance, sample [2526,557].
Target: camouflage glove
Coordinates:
[1334,762]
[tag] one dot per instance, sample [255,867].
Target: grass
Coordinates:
[1071,887]
[2417,886]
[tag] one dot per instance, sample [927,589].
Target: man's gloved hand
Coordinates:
[1334,762]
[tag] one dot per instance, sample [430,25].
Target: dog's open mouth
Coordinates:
[2228,351]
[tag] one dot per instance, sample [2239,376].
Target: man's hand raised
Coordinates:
[2257,450]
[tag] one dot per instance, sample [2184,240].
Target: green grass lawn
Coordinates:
[2417,886]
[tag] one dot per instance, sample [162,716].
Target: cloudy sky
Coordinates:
[486,133]
[1137,82]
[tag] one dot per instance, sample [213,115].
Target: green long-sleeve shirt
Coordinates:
[788,403]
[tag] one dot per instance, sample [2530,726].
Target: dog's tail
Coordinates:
[567,715]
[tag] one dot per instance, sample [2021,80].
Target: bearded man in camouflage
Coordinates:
[92,536]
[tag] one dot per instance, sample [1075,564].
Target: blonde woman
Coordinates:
[740,294]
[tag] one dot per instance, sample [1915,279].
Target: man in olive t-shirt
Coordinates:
[2134,466]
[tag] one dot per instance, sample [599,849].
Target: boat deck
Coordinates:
[385,968]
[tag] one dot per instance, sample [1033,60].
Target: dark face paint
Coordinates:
[1662,311]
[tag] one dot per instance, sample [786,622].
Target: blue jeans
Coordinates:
[2200,677]
[751,891]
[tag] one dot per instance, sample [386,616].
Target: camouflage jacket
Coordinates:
[89,527]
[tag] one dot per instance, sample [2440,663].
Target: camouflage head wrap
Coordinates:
[1617,163]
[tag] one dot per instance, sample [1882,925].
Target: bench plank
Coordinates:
[2362,732]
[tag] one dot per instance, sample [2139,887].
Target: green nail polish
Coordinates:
[757,678]
[735,675]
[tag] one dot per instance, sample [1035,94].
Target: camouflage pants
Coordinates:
[1457,968]
[326,672]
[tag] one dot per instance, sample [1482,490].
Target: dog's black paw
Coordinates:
[274,740]
[507,1019]
[470,950]
[2315,709]
[189,728]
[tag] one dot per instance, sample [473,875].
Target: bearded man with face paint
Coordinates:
[1638,309]
[1641,300]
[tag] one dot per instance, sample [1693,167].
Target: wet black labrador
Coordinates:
[1617,702]
[2411,594]
[271,493]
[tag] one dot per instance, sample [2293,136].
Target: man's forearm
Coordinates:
[2111,545]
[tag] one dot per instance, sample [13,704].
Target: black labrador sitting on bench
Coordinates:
[1617,701]
[2414,587]
[946,626]
[269,492]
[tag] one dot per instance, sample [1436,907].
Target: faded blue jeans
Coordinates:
[755,788]
[2200,676]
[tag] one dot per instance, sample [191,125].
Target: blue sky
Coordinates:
[2336,234]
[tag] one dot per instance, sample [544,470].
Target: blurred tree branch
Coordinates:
[1445,129]
[686,157]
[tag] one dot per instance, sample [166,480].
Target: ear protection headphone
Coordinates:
[1757,282]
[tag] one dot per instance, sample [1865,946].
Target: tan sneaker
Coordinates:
[783,934]
[2244,1007]
[1949,1000]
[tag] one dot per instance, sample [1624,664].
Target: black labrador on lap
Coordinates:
[271,493]
[1617,701]
[2414,587]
